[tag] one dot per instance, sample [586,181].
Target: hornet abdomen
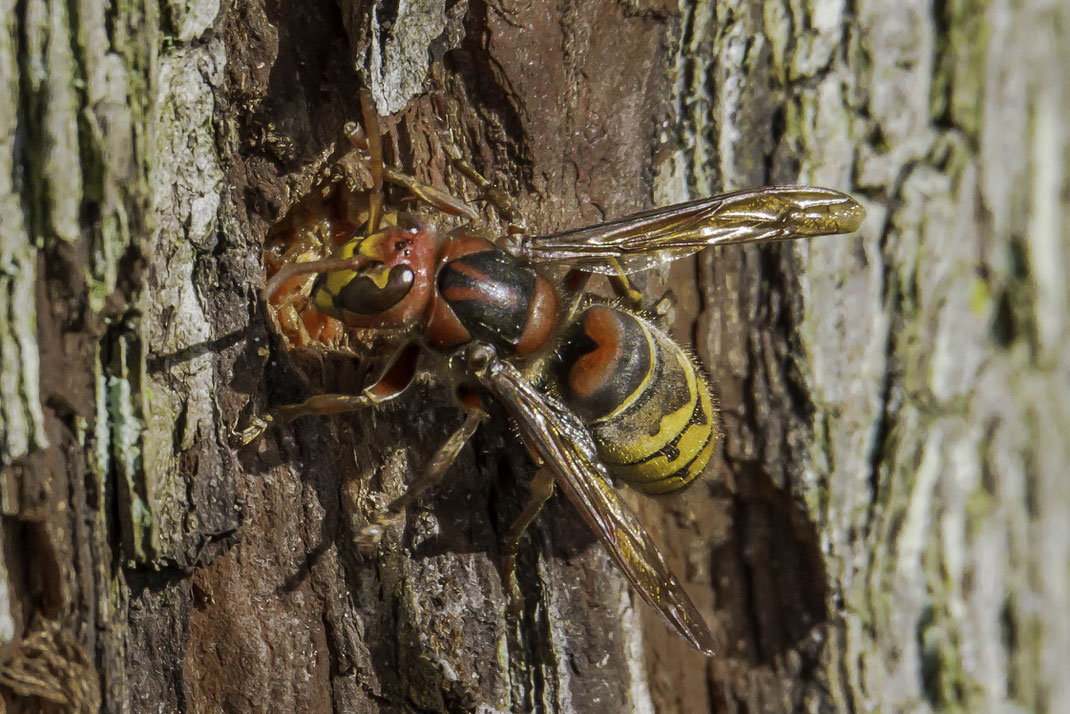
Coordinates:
[644,400]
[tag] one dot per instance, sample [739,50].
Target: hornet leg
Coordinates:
[361,140]
[662,312]
[393,380]
[434,471]
[494,196]
[541,486]
[319,404]
[374,145]
[622,286]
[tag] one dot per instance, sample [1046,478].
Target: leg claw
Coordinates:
[257,426]
[370,535]
[369,538]
[516,600]
[512,590]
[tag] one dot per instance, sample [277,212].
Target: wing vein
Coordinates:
[562,443]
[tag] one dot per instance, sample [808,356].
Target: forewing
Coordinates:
[646,239]
[563,444]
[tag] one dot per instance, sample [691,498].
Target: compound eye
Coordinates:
[376,290]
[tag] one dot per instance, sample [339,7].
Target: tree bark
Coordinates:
[885,529]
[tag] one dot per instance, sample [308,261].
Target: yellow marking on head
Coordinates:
[372,246]
[338,279]
[379,277]
[348,249]
[324,301]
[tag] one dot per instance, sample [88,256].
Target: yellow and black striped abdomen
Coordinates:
[642,397]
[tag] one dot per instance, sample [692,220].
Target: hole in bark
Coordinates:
[774,589]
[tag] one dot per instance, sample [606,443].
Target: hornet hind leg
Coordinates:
[433,473]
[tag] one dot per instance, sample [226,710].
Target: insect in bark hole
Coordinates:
[597,390]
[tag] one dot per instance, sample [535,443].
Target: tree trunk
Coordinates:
[885,530]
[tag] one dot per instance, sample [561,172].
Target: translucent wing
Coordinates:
[647,239]
[563,444]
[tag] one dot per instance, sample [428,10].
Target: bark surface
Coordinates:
[886,528]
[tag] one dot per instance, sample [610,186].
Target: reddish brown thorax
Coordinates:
[483,293]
